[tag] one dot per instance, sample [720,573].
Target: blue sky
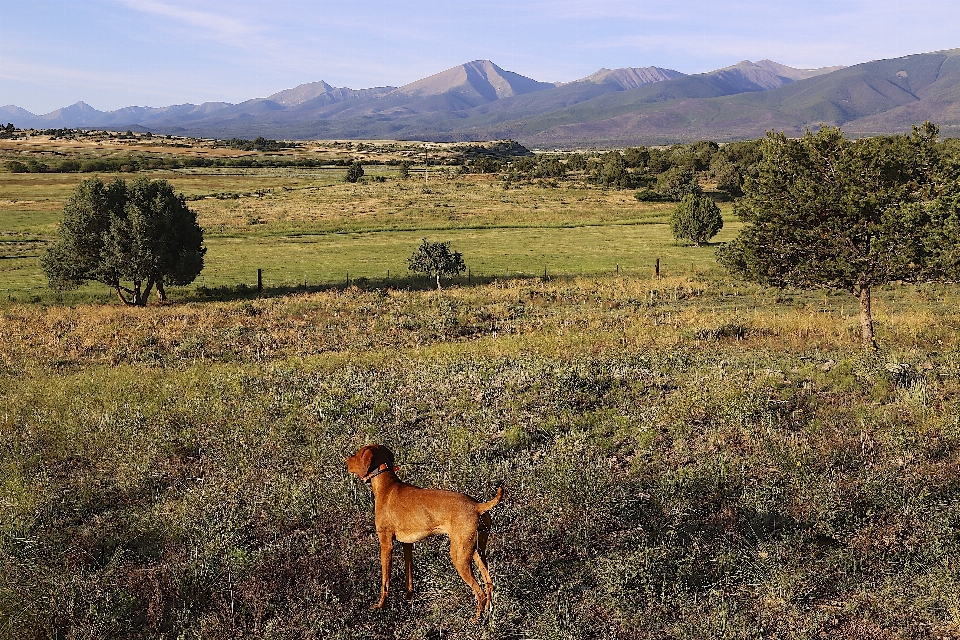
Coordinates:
[116,53]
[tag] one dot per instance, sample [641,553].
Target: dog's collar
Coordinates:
[381,469]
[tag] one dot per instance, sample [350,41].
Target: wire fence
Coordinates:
[280,282]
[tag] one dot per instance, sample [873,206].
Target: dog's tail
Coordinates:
[483,507]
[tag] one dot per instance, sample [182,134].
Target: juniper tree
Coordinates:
[613,172]
[697,219]
[728,178]
[676,182]
[827,212]
[128,237]
[354,172]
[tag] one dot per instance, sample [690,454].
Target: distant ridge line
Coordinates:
[478,100]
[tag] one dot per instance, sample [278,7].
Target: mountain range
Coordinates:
[612,107]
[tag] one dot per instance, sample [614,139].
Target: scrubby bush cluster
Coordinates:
[666,174]
[258,144]
[142,162]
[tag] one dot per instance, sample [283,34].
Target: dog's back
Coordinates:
[430,511]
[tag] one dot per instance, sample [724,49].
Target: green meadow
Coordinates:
[306,226]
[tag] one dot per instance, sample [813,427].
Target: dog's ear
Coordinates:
[359,463]
[366,459]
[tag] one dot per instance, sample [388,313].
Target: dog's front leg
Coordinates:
[386,558]
[408,563]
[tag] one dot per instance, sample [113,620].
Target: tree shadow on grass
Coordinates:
[227,293]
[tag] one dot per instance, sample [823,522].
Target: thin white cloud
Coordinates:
[215,25]
[47,75]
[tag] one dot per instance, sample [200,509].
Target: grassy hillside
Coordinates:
[910,89]
[682,458]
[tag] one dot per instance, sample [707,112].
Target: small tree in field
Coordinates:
[130,238]
[354,172]
[826,212]
[696,219]
[436,259]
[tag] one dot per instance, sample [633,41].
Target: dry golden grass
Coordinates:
[99,144]
[551,316]
[447,202]
[683,458]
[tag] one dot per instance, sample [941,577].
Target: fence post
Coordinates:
[259,280]
[469,275]
[656,271]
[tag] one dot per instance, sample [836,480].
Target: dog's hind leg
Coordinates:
[480,556]
[461,553]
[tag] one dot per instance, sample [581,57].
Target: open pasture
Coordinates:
[307,226]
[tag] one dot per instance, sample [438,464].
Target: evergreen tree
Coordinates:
[354,172]
[130,238]
[728,178]
[696,219]
[826,212]
[676,182]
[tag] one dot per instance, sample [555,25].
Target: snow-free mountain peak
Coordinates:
[767,74]
[793,73]
[631,77]
[322,93]
[481,77]
[300,93]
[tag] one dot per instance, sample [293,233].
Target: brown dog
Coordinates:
[407,513]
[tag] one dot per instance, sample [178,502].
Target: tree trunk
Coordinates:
[120,295]
[438,282]
[866,318]
[161,292]
[146,293]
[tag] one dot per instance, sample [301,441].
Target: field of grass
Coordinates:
[684,457]
[308,226]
